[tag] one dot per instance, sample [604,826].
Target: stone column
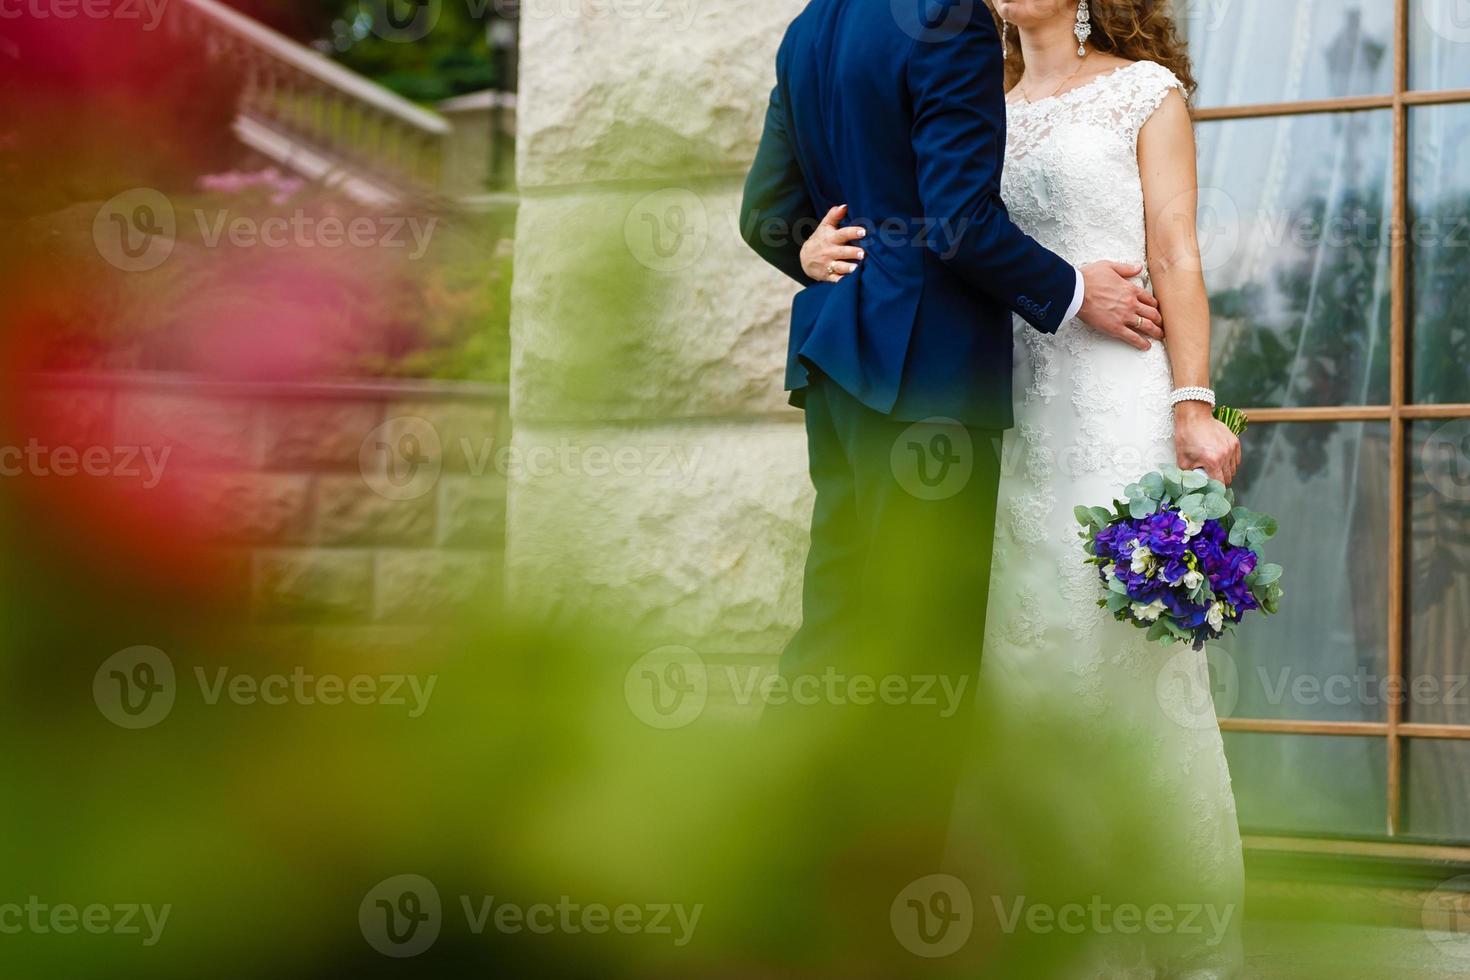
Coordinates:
[658,475]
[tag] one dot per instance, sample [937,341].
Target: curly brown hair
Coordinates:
[1139,30]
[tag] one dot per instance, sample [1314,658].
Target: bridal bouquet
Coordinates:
[1178,557]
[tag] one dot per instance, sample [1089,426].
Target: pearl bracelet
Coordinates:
[1192,394]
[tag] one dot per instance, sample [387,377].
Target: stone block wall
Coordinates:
[644,330]
[377,505]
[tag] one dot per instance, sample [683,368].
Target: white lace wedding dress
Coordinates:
[1103,749]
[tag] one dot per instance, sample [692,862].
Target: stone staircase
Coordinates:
[316,118]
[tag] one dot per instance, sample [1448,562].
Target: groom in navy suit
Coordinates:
[896,109]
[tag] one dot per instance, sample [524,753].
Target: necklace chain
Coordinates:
[1075,71]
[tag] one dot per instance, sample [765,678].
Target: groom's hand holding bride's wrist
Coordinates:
[1113,305]
[1203,442]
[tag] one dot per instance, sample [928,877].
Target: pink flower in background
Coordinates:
[281,187]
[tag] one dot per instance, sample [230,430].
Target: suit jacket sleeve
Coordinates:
[777,212]
[956,84]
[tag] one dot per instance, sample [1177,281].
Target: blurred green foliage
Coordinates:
[453,58]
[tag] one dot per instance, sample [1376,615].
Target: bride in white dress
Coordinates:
[1098,832]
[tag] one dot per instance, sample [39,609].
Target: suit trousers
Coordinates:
[877,686]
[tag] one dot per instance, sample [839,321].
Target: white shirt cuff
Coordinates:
[1077,298]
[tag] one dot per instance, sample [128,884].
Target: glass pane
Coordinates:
[1295,218]
[1437,690]
[1325,784]
[1253,51]
[1324,656]
[1439,202]
[1437,800]
[1439,44]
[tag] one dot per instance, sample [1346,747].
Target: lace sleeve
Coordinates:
[1149,83]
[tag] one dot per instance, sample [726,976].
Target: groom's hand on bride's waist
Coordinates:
[1113,305]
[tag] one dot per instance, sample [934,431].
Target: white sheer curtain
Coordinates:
[1295,212]
[1265,51]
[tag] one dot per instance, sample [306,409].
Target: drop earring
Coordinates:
[1083,30]
[1005,39]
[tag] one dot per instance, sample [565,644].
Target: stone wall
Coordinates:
[642,326]
[347,505]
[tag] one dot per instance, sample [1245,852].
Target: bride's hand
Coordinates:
[827,256]
[1203,442]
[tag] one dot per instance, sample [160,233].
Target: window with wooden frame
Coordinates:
[1334,144]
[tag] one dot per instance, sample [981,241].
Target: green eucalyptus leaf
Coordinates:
[1216,506]
[1175,628]
[1195,480]
[1266,574]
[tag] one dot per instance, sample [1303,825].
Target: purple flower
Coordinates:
[1163,533]
[1237,564]
[1182,611]
[1174,570]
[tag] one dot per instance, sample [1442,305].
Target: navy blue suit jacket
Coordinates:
[897,109]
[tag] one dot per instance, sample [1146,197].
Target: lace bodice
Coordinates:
[1071,173]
